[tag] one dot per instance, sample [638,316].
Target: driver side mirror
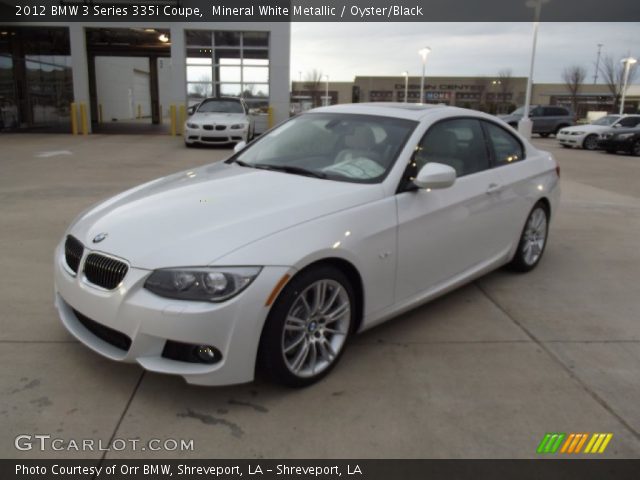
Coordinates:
[435,175]
[239,146]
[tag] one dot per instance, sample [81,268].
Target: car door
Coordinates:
[443,233]
[538,119]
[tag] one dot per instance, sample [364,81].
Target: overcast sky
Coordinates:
[345,50]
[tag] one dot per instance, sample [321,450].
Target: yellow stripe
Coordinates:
[607,439]
[598,442]
[567,442]
[591,442]
[583,438]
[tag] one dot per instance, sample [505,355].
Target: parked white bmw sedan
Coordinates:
[219,120]
[330,224]
[586,136]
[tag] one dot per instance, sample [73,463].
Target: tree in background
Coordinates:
[312,81]
[613,74]
[505,79]
[573,78]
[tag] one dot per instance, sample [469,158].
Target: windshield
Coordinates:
[606,120]
[346,147]
[220,106]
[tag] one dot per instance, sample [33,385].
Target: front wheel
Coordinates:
[308,327]
[635,148]
[590,143]
[532,240]
[544,134]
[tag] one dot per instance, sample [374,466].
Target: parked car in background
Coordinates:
[327,225]
[621,140]
[546,120]
[586,136]
[218,120]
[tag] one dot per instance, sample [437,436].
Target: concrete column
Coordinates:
[279,61]
[178,93]
[80,70]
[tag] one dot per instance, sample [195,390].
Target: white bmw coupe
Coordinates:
[328,225]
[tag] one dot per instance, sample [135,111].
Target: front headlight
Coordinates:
[624,136]
[193,125]
[238,126]
[208,284]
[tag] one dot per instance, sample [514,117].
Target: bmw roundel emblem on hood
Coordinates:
[100,237]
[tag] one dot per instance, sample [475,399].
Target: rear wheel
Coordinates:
[532,240]
[590,142]
[544,134]
[635,148]
[308,327]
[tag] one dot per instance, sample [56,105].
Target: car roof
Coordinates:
[409,111]
[237,99]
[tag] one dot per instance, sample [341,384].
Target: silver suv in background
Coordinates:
[547,119]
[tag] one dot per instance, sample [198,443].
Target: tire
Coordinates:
[544,134]
[635,148]
[533,240]
[565,146]
[590,142]
[296,347]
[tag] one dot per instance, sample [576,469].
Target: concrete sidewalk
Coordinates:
[483,372]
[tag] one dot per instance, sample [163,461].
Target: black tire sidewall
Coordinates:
[518,263]
[270,359]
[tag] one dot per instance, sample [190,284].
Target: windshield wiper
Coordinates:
[290,169]
[241,163]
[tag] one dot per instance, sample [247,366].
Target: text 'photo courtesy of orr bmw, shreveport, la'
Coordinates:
[329,224]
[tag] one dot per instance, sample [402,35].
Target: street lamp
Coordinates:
[326,91]
[406,84]
[525,125]
[627,66]
[423,52]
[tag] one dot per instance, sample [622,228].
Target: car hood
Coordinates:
[194,217]
[586,128]
[213,117]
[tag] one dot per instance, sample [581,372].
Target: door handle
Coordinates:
[494,188]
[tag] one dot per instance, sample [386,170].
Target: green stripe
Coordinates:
[543,443]
[558,442]
[547,448]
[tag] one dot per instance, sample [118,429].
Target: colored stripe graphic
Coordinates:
[550,443]
[573,443]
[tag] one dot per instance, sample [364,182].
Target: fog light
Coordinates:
[206,354]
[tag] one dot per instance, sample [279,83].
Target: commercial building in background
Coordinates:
[135,76]
[489,94]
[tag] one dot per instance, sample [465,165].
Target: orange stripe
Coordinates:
[574,443]
[567,442]
[276,289]
[584,439]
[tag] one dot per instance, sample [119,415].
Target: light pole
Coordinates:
[627,66]
[326,91]
[406,85]
[496,83]
[595,75]
[525,125]
[423,52]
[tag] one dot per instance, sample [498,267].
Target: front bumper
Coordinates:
[149,321]
[200,135]
[570,140]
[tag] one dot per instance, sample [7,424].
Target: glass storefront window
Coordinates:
[199,56]
[199,74]
[226,39]
[198,91]
[229,74]
[230,89]
[198,38]
[256,39]
[255,74]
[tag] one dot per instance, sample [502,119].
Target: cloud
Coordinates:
[345,50]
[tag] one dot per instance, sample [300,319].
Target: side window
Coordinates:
[629,122]
[536,112]
[458,143]
[506,148]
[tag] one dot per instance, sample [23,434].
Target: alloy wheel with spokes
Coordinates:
[532,240]
[308,327]
[591,142]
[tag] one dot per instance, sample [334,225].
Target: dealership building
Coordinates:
[491,94]
[137,75]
